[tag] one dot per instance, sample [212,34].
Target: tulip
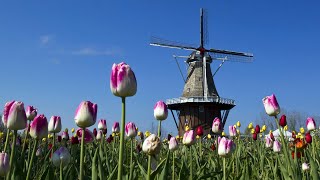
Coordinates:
[59,138]
[65,135]
[72,130]
[54,124]
[238,124]
[95,132]
[99,135]
[283,121]
[308,138]
[14,116]
[311,124]
[285,128]
[232,131]
[199,131]
[31,113]
[305,166]
[250,126]
[160,111]
[173,144]
[115,127]
[225,147]
[131,130]
[4,164]
[123,82]
[264,128]
[268,142]
[86,114]
[252,131]
[110,139]
[254,136]
[88,135]
[74,140]
[302,130]
[257,129]
[276,146]
[39,152]
[102,124]
[216,126]
[39,127]
[271,105]
[209,136]
[61,157]
[151,145]
[189,138]
[271,136]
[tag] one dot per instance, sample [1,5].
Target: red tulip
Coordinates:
[308,138]
[59,138]
[271,136]
[95,132]
[254,136]
[257,129]
[74,140]
[283,121]
[199,131]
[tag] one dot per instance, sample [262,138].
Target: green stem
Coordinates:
[12,153]
[200,148]
[53,142]
[123,121]
[173,174]
[25,140]
[149,167]
[224,168]
[31,160]
[159,130]
[190,153]
[7,140]
[131,159]
[82,154]
[61,171]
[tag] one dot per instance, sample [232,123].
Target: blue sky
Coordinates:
[55,54]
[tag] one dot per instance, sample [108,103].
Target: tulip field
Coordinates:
[42,149]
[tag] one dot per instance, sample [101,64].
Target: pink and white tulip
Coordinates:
[173,144]
[123,82]
[160,111]
[39,127]
[225,147]
[216,125]
[131,130]
[115,127]
[269,142]
[54,124]
[276,146]
[65,135]
[311,124]
[61,156]
[232,131]
[189,138]
[305,167]
[151,145]
[31,113]
[271,105]
[102,124]
[88,135]
[86,114]
[14,116]
[99,135]
[4,164]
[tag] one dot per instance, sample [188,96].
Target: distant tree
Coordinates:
[2,128]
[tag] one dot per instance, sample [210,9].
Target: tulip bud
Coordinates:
[257,129]
[264,128]
[74,140]
[102,124]
[54,124]
[276,146]
[311,124]
[14,116]
[115,127]
[285,128]
[238,124]
[225,147]
[199,131]
[173,144]
[271,136]
[283,121]
[95,132]
[123,82]
[131,130]
[250,126]
[65,135]
[99,135]
[302,130]
[39,127]
[72,130]
[31,113]
[88,135]
[160,111]
[86,114]
[151,145]
[232,131]
[269,142]
[216,126]
[39,152]
[59,138]
[308,138]
[305,167]
[4,164]
[169,137]
[254,136]
[189,138]
[61,156]
[271,105]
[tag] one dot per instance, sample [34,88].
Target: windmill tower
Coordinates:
[200,102]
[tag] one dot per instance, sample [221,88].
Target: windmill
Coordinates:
[200,102]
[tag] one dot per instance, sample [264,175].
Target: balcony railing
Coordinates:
[215,99]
